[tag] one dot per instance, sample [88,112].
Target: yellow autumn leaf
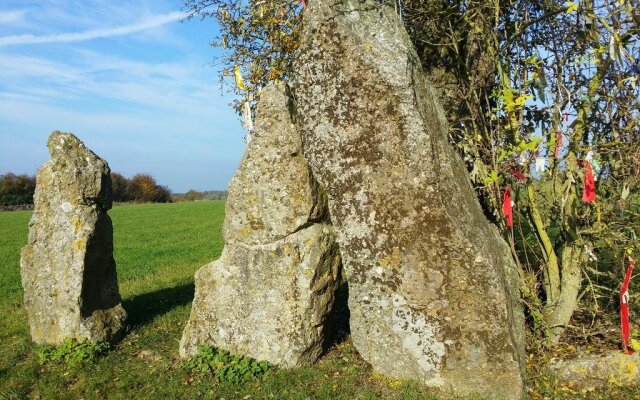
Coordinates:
[571,7]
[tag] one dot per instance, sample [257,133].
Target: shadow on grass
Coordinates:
[142,309]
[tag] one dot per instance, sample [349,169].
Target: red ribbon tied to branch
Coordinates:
[519,175]
[507,210]
[589,185]
[558,143]
[624,307]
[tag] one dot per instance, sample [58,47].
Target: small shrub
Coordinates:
[71,352]
[226,367]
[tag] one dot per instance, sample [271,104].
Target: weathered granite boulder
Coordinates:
[270,294]
[598,371]
[67,267]
[433,290]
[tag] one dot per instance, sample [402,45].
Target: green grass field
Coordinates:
[158,248]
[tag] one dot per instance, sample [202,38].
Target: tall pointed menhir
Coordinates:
[433,291]
[67,267]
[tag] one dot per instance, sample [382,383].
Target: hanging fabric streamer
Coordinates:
[596,168]
[595,164]
[589,184]
[541,164]
[519,176]
[558,143]
[589,156]
[522,160]
[248,119]
[239,80]
[624,307]
[507,207]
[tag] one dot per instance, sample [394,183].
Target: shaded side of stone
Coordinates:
[271,292]
[67,268]
[433,291]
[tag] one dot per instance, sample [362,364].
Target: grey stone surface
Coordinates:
[273,193]
[598,371]
[270,294]
[67,267]
[433,288]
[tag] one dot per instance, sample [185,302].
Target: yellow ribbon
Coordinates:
[239,80]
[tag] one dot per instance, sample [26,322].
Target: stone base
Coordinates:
[269,302]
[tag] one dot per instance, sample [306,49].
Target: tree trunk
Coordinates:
[562,309]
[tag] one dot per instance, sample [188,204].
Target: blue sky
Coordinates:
[130,80]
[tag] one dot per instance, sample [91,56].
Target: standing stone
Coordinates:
[67,267]
[433,290]
[270,293]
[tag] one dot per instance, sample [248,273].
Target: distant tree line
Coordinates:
[142,188]
[195,195]
[16,189]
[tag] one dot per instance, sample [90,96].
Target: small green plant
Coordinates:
[71,352]
[226,367]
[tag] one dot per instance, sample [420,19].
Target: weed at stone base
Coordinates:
[226,367]
[71,352]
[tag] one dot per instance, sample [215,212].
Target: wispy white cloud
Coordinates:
[138,103]
[147,23]
[186,86]
[12,16]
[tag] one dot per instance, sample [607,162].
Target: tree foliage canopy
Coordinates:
[16,189]
[143,188]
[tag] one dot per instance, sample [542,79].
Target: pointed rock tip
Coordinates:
[274,95]
[62,141]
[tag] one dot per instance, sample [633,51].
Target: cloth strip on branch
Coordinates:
[541,164]
[507,207]
[624,307]
[589,184]
[558,143]
[248,119]
[519,175]
[239,80]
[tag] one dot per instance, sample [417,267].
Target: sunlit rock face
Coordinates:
[67,267]
[433,290]
[270,294]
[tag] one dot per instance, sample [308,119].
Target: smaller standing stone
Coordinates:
[270,294]
[67,267]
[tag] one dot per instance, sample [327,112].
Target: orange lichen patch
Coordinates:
[389,382]
[391,259]
[80,243]
[77,224]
